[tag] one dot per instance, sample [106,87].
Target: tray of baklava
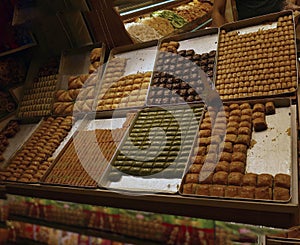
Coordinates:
[155,150]
[245,150]
[79,74]
[13,136]
[40,86]
[257,58]
[184,68]
[30,162]
[126,79]
[84,158]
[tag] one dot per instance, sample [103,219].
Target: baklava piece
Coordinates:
[259,124]
[206,177]
[217,190]
[264,180]
[247,192]
[232,191]
[243,139]
[240,148]
[258,108]
[220,178]
[203,190]
[223,166]
[191,178]
[249,179]
[270,108]
[281,194]
[282,180]
[235,178]
[237,167]
[239,156]
[195,168]
[264,193]
[188,188]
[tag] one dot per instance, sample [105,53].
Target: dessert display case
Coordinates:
[134,129]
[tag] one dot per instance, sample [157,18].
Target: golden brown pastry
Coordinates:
[270,108]
[239,156]
[258,114]
[208,179]
[223,166]
[203,189]
[95,55]
[64,96]
[264,180]
[282,180]
[235,178]
[237,167]
[75,83]
[188,188]
[220,178]
[226,156]
[243,139]
[281,194]
[259,124]
[191,178]
[195,168]
[240,148]
[217,190]
[232,191]
[264,193]
[259,107]
[247,192]
[249,179]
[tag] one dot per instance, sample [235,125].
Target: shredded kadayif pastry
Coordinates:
[142,32]
[161,25]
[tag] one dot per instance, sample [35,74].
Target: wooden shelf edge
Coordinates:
[281,215]
[2,192]
[81,230]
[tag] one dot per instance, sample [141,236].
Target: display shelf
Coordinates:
[25,241]
[281,215]
[81,230]
[2,192]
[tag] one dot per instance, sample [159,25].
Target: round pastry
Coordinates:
[220,178]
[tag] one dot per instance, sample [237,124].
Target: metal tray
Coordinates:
[26,136]
[16,142]
[254,25]
[28,86]
[284,237]
[201,41]
[87,154]
[158,182]
[139,58]
[279,139]
[75,62]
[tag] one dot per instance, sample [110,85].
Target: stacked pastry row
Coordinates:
[113,73]
[129,91]
[219,164]
[193,10]
[177,76]
[31,162]
[9,131]
[79,97]
[38,97]
[259,63]
[72,168]
[154,153]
